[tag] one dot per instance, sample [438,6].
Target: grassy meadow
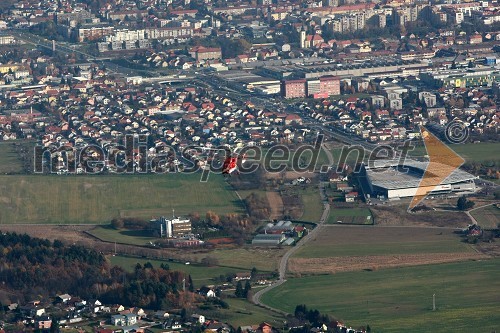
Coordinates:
[9,160]
[124,236]
[242,312]
[230,260]
[245,258]
[487,217]
[98,199]
[400,300]
[350,216]
[313,207]
[201,275]
[337,241]
[473,152]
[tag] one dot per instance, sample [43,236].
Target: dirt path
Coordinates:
[473,219]
[276,204]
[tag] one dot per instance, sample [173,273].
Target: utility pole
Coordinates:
[184,284]
[433,302]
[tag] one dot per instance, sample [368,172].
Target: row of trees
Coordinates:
[464,204]
[257,206]
[243,292]
[129,223]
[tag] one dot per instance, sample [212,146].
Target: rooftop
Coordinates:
[390,174]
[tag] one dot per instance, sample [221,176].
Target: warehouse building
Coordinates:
[389,179]
[268,239]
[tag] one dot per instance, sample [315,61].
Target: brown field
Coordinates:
[68,233]
[397,215]
[218,241]
[289,175]
[276,204]
[351,248]
[334,265]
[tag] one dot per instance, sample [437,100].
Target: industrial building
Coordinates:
[278,228]
[389,179]
[171,228]
[268,239]
[459,78]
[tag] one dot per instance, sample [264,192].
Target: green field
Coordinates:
[201,275]
[474,152]
[400,300]
[303,159]
[352,158]
[335,241]
[9,160]
[234,259]
[487,217]
[350,216]
[98,199]
[313,207]
[244,258]
[124,236]
[242,312]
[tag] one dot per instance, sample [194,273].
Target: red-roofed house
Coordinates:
[205,53]
[313,41]
[293,118]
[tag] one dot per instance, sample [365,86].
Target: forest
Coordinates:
[33,268]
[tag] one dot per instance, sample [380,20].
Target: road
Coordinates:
[256,298]
[474,221]
[328,154]
[67,48]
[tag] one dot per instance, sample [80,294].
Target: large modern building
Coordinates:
[293,88]
[171,228]
[389,179]
[462,78]
[205,53]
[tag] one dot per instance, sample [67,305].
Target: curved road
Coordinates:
[256,298]
[472,218]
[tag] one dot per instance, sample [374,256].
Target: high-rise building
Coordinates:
[171,228]
[302,39]
[293,88]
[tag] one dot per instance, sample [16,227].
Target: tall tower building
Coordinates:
[302,39]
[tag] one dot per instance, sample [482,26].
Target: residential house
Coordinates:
[63,298]
[43,322]
[351,196]
[207,292]
[128,319]
[242,276]
[199,319]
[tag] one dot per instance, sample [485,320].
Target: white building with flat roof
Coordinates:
[171,228]
[392,180]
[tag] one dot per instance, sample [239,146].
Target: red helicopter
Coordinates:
[231,164]
[232,160]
